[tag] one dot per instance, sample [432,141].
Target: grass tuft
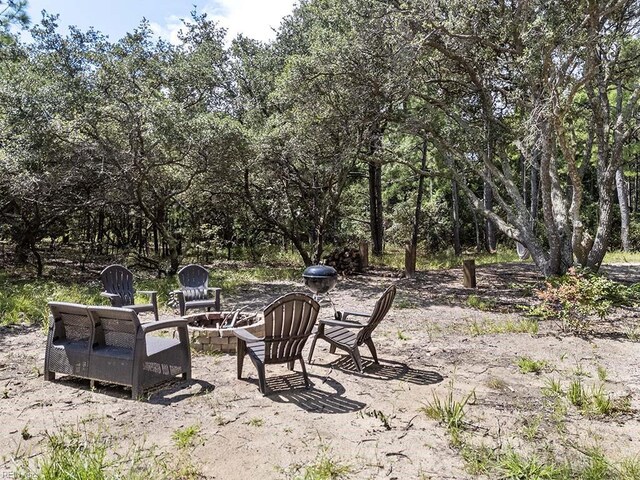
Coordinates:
[528,365]
[323,467]
[449,412]
[185,437]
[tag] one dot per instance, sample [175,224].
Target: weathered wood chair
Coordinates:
[194,291]
[71,332]
[288,323]
[118,288]
[348,335]
[125,354]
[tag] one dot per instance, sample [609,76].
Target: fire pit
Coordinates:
[213,331]
[320,278]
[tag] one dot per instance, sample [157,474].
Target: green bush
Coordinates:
[576,297]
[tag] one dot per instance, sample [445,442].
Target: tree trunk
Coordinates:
[156,244]
[623,196]
[534,180]
[455,210]
[490,231]
[100,239]
[318,247]
[476,224]
[413,246]
[554,214]
[39,264]
[375,194]
[636,184]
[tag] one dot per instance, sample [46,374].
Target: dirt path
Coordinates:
[432,343]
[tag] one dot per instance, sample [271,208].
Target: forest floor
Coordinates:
[439,339]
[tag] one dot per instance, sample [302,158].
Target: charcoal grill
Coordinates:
[320,279]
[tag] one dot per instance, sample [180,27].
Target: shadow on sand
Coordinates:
[325,395]
[389,370]
[167,393]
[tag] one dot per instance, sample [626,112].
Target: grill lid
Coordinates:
[319,271]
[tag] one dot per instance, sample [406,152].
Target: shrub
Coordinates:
[574,298]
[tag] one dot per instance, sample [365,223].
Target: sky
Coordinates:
[253,18]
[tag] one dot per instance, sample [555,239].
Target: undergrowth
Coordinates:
[574,299]
[77,453]
[24,301]
[394,258]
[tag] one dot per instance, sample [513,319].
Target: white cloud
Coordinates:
[168,31]
[253,18]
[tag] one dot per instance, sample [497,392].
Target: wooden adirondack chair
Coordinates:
[194,290]
[288,323]
[348,335]
[118,288]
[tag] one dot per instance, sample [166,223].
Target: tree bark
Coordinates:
[455,211]
[490,231]
[375,193]
[625,217]
[416,219]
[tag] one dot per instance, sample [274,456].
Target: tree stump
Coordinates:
[410,261]
[364,254]
[469,273]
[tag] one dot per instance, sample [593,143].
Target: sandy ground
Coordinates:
[371,422]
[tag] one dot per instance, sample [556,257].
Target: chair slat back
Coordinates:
[194,280]
[119,280]
[288,323]
[73,322]
[117,326]
[379,311]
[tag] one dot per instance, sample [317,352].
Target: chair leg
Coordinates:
[290,365]
[372,349]
[241,351]
[49,376]
[304,373]
[332,349]
[313,346]
[355,354]
[261,377]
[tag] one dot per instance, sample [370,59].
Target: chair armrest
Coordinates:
[344,315]
[109,295]
[246,336]
[213,289]
[150,327]
[147,292]
[337,323]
